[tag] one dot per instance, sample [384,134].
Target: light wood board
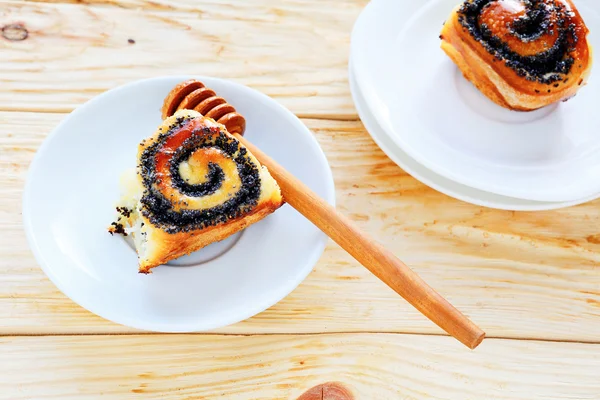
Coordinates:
[293,51]
[375,366]
[531,277]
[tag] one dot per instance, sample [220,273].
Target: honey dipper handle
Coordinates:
[380,261]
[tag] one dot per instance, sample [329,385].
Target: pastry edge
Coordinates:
[172,246]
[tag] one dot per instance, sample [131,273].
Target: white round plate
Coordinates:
[431,112]
[436,181]
[73,185]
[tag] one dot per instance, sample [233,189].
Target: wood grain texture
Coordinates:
[295,51]
[518,275]
[374,366]
[230,7]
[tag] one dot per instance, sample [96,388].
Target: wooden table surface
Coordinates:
[531,280]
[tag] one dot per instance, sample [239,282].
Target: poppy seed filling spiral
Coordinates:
[170,214]
[543,20]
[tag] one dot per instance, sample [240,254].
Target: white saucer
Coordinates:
[73,185]
[432,113]
[436,181]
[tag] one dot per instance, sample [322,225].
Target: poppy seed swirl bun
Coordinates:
[196,184]
[522,54]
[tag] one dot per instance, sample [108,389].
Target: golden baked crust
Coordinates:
[196,185]
[165,247]
[523,56]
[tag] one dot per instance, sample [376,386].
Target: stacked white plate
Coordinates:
[438,127]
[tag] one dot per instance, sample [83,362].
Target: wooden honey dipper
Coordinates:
[192,94]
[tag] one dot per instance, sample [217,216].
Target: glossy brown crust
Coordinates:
[193,95]
[497,78]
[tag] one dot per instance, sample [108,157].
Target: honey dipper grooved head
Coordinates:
[193,95]
[177,94]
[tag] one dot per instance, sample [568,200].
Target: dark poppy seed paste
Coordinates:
[161,161]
